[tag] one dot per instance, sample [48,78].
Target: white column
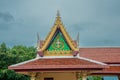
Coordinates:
[33,76]
[78,76]
[84,77]
[38,76]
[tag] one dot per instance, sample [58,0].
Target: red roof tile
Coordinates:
[107,55]
[58,63]
[112,70]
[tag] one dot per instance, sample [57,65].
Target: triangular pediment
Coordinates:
[58,41]
[58,45]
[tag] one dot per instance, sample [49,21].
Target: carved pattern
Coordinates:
[58,24]
[57,43]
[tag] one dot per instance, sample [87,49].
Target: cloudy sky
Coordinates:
[97,21]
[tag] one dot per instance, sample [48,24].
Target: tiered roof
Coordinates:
[59,64]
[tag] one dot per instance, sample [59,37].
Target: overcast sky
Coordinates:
[97,21]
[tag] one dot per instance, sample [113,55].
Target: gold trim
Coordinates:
[58,24]
[58,53]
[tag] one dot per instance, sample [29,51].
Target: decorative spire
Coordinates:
[58,13]
[58,18]
[38,41]
[38,38]
[78,40]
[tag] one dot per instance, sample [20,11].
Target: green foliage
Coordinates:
[9,56]
[6,74]
[94,78]
[3,47]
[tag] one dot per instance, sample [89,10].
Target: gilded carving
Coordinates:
[58,25]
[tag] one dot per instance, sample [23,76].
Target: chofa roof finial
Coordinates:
[58,13]
[58,18]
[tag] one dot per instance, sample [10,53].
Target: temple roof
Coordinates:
[58,25]
[112,70]
[58,64]
[104,54]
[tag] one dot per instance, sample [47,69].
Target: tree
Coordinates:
[94,78]
[9,56]
[3,47]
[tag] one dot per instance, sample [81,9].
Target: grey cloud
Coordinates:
[6,16]
[82,26]
[7,21]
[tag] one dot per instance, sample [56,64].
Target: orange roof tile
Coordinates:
[106,55]
[112,70]
[58,64]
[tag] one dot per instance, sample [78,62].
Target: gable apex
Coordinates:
[58,25]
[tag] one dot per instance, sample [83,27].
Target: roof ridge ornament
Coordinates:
[58,18]
[38,41]
[58,13]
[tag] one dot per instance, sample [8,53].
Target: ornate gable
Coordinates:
[58,42]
